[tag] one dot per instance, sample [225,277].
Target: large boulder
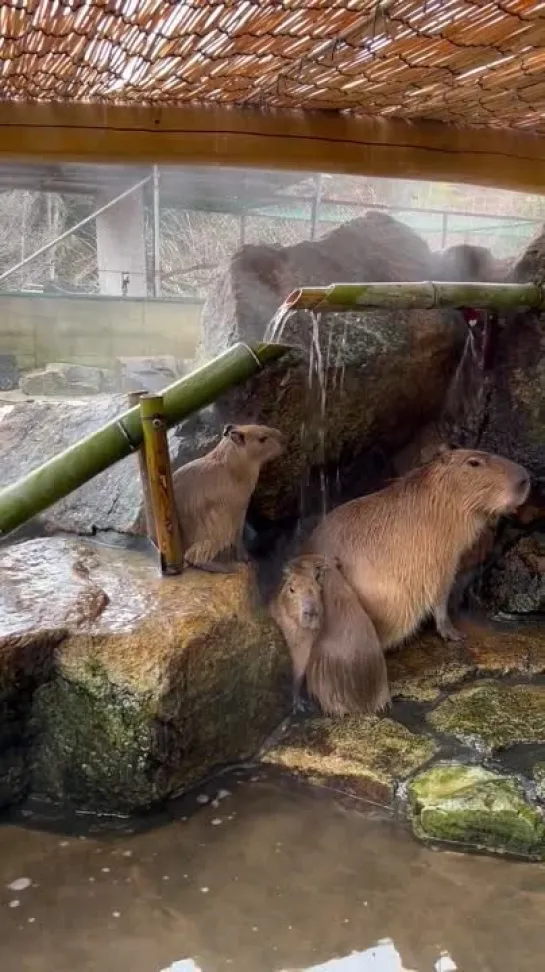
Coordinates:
[119,688]
[515,411]
[62,380]
[381,375]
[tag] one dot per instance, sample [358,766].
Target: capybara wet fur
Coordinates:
[400,548]
[333,644]
[212,493]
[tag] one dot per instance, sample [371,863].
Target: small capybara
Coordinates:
[400,547]
[332,642]
[212,493]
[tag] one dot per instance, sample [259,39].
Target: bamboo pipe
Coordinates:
[61,475]
[426,295]
[159,475]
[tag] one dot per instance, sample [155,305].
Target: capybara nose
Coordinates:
[309,617]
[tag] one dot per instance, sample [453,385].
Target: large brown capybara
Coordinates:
[332,642]
[400,547]
[212,493]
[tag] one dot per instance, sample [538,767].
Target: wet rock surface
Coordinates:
[384,373]
[515,584]
[471,807]
[491,716]
[118,688]
[446,712]
[363,757]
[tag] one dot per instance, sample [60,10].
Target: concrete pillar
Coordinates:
[121,249]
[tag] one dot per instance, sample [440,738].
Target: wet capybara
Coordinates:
[400,547]
[212,493]
[333,644]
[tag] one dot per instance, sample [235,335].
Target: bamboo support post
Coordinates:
[159,474]
[134,400]
[61,475]
[426,295]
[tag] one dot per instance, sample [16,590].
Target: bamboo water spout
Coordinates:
[61,475]
[425,295]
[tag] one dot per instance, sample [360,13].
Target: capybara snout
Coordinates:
[311,612]
[486,483]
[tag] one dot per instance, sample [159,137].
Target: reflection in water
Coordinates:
[383,957]
[267,879]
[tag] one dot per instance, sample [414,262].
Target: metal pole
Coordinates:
[156,233]
[444,230]
[73,229]
[314,207]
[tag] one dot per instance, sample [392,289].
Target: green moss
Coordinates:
[493,716]
[539,777]
[424,668]
[115,747]
[362,755]
[472,807]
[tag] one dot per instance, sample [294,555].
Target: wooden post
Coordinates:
[159,472]
[134,399]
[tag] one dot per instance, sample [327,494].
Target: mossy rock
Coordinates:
[425,667]
[539,777]
[472,808]
[500,652]
[491,716]
[365,756]
[150,682]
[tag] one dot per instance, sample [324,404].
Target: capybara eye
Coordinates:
[262,438]
[291,589]
[474,462]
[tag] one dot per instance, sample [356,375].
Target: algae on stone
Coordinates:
[423,668]
[363,756]
[493,716]
[476,809]
[143,690]
[539,777]
[500,652]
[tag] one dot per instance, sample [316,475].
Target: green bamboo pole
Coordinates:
[154,430]
[425,295]
[25,499]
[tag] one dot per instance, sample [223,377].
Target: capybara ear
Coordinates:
[234,434]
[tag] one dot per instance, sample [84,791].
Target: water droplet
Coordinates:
[116,914]
[203,798]
[205,890]
[216,821]
[14,904]
[105,870]
[20,884]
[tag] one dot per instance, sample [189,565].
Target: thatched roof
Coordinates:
[469,61]
[450,89]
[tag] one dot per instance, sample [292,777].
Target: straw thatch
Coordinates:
[463,61]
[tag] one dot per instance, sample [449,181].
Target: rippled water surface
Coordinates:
[268,879]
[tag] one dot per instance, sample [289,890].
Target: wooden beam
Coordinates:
[302,141]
